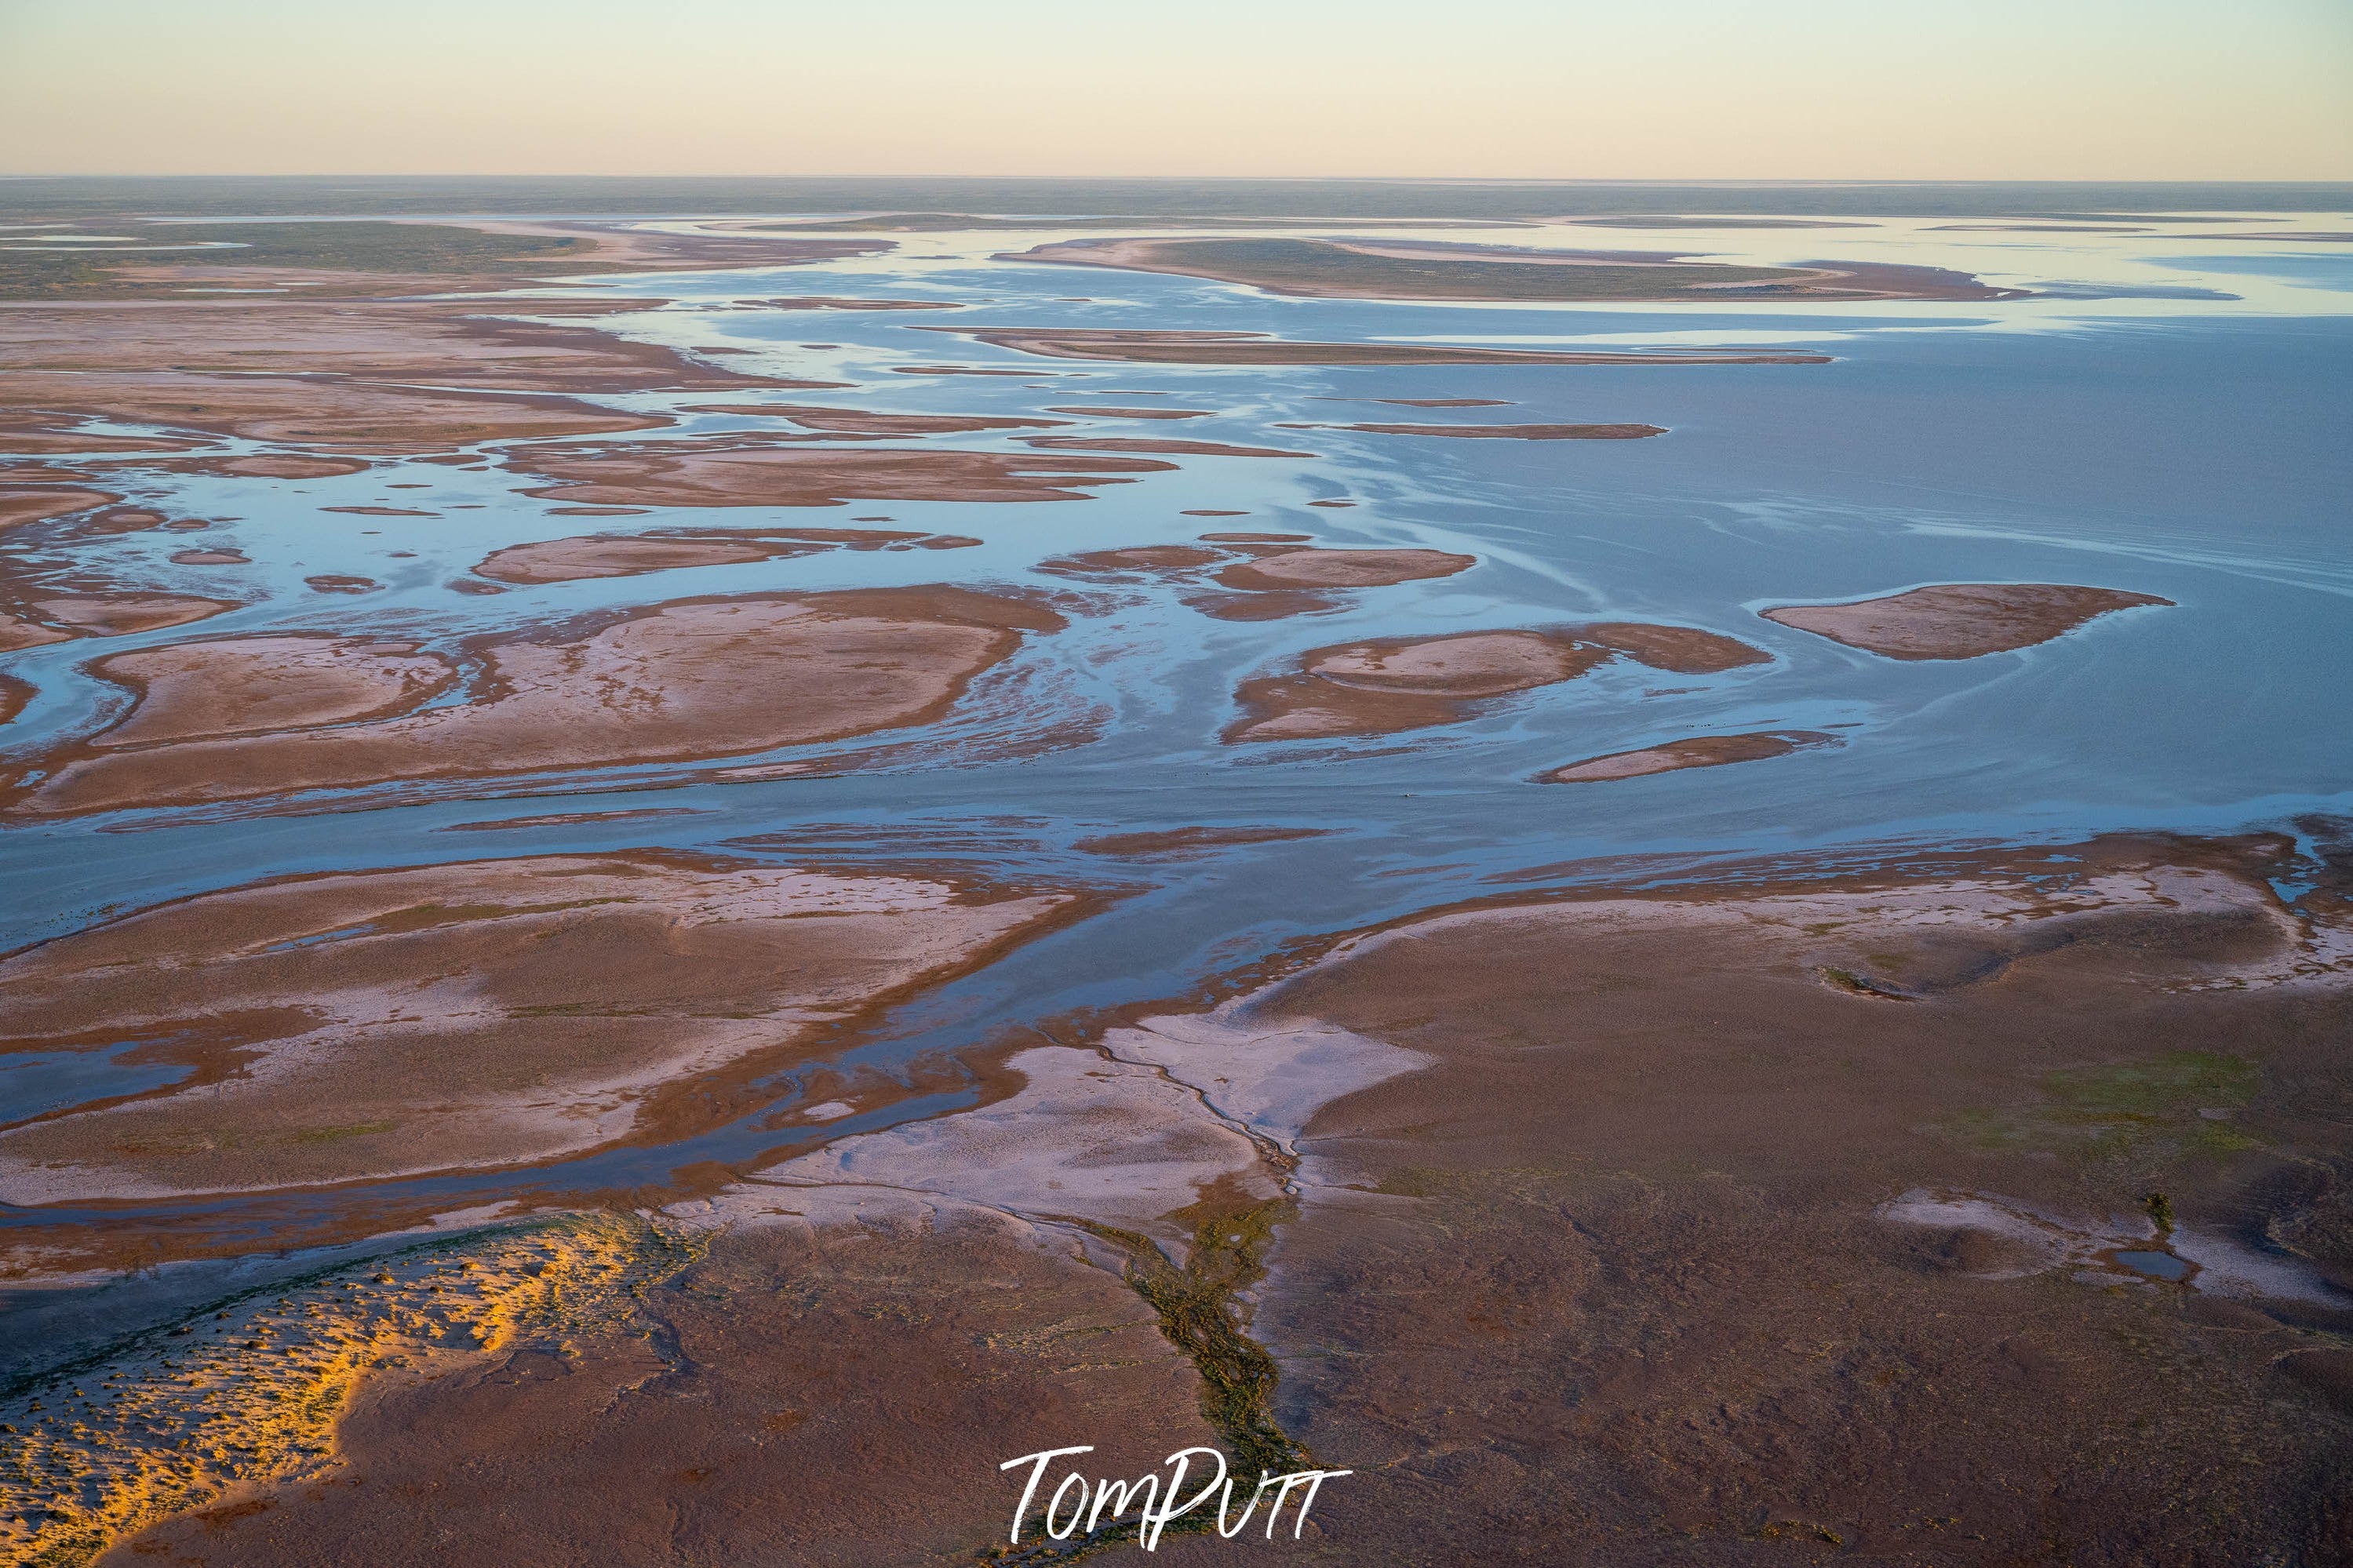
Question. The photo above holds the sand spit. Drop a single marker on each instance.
(1700, 751)
(60, 617)
(1168, 449)
(862, 422)
(1502, 432)
(1959, 620)
(1386, 686)
(1135, 346)
(1435, 269)
(629, 555)
(680, 682)
(484, 1013)
(737, 471)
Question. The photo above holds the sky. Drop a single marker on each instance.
(2032, 90)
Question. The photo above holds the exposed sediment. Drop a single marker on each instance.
(457, 1016)
(1699, 752)
(1959, 620)
(685, 681)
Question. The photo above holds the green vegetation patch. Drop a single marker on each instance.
(2136, 1113)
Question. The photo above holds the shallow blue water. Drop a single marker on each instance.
(2197, 451)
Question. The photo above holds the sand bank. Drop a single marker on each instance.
(1700, 751)
(681, 682)
(1959, 620)
(749, 472)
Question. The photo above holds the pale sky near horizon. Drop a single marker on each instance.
(2100, 89)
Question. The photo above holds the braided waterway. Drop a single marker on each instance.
(2160, 415)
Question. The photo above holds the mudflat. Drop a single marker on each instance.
(1143, 346)
(1959, 620)
(1699, 752)
(680, 682)
(732, 471)
(1433, 270)
(476, 1013)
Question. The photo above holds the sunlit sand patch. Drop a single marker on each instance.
(673, 683)
(252, 1392)
(749, 472)
(370, 1024)
(1959, 620)
(1141, 346)
(1700, 751)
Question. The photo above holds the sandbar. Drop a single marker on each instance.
(1140, 346)
(1700, 751)
(1502, 432)
(735, 472)
(378, 1022)
(677, 682)
(1959, 620)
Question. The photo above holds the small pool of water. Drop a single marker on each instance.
(2156, 1264)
